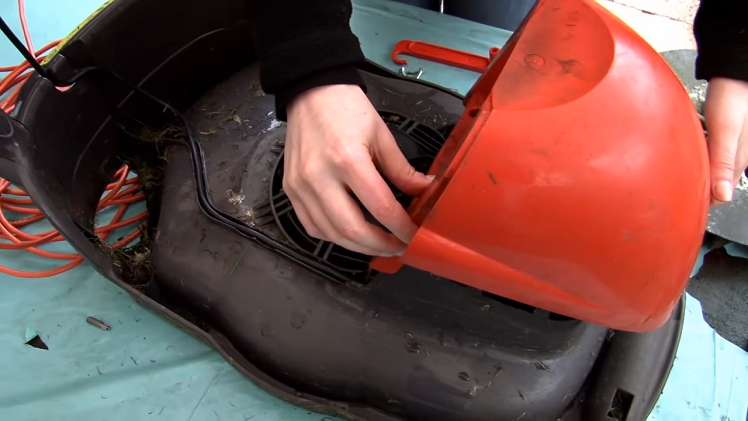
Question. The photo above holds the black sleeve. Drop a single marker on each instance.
(721, 32)
(303, 44)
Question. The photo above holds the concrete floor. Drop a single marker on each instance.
(665, 24)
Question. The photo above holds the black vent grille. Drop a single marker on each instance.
(419, 143)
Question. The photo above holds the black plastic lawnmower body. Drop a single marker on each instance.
(229, 261)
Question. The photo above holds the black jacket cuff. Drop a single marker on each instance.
(720, 60)
(722, 39)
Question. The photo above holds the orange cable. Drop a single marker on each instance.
(121, 192)
(25, 25)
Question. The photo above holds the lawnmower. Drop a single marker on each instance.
(545, 281)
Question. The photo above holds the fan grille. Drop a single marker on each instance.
(418, 142)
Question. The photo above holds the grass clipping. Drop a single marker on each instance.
(134, 262)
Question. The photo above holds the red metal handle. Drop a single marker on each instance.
(443, 55)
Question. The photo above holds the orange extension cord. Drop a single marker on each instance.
(122, 192)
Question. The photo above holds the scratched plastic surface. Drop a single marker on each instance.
(145, 368)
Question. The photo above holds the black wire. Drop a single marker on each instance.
(28, 55)
(31, 59)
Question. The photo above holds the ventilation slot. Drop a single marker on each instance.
(620, 406)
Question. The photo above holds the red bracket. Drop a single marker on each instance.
(443, 55)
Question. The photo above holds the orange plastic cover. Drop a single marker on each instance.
(577, 180)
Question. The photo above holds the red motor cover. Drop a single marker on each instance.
(576, 182)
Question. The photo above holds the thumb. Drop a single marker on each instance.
(722, 150)
(725, 110)
(396, 168)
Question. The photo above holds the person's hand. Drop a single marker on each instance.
(334, 144)
(726, 112)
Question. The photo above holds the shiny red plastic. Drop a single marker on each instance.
(576, 181)
(443, 55)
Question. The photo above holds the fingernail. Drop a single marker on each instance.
(723, 191)
(431, 177)
(399, 253)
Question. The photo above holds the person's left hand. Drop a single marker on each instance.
(726, 112)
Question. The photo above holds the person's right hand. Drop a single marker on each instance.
(334, 144)
(726, 110)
